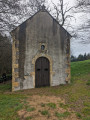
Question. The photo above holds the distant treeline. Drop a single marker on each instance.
(80, 57)
(5, 55)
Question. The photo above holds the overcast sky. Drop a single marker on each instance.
(81, 44)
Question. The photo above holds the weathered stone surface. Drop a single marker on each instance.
(41, 29)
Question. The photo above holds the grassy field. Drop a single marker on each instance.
(76, 96)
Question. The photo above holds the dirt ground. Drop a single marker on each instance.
(41, 107)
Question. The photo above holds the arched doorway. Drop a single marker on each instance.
(42, 72)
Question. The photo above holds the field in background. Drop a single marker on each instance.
(76, 96)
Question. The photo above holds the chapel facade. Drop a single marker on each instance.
(40, 53)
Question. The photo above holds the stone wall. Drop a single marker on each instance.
(41, 29)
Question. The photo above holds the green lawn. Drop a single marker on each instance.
(80, 69)
(76, 94)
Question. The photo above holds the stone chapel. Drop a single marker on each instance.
(40, 53)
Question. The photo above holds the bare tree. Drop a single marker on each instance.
(83, 8)
(82, 3)
(30, 8)
(5, 55)
(8, 10)
(14, 12)
(36, 5)
(61, 12)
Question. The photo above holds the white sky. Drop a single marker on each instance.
(71, 2)
(77, 45)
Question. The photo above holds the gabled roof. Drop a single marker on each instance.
(43, 10)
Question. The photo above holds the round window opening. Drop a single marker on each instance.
(42, 47)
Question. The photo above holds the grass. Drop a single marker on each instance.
(76, 95)
(42, 105)
(87, 118)
(88, 82)
(30, 109)
(60, 115)
(80, 68)
(28, 118)
(62, 105)
(78, 115)
(52, 105)
(5, 87)
(9, 104)
(86, 111)
(45, 112)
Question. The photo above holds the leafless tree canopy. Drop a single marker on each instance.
(13, 12)
(35, 5)
(84, 6)
(61, 12)
(5, 55)
(8, 10)
(83, 2)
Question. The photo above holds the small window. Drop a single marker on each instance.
(46, 69)
(38, 69)
(42, 47)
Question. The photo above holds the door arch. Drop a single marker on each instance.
(42, 72)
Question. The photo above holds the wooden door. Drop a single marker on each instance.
(42, 72)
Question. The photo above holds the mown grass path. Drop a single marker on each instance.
(64, 102)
